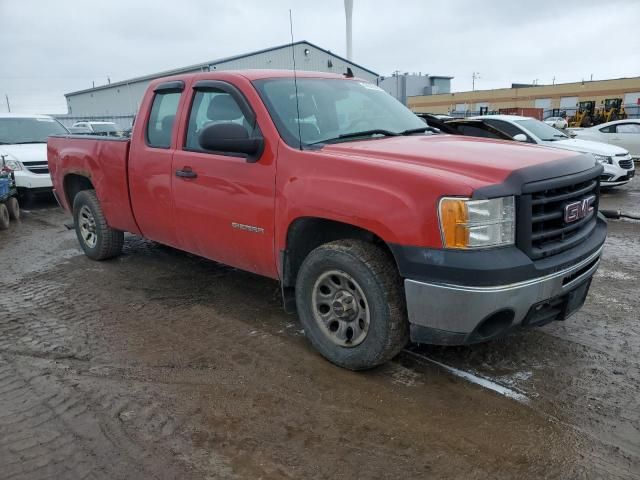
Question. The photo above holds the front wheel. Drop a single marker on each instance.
(97, 239)
(14, 208)
(4, 217)
(349, 300)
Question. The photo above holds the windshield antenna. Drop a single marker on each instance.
(295, 77)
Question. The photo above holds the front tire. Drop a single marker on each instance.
(350, 303)
(4, 217)
(14, 208)
(97, 239)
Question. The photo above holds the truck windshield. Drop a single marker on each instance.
(16, 130)
(541, 130)
(334, 110)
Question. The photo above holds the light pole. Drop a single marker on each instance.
(474, 76)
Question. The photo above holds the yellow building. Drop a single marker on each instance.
(562, 97)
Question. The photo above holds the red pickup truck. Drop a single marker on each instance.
(378, 228)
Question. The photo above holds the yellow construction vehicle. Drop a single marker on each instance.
(610, 109)
(584, 115)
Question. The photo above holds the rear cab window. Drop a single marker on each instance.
(163, 114)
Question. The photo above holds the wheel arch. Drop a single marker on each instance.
(304, 234)
(73, 184)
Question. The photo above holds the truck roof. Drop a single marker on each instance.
(257, 74)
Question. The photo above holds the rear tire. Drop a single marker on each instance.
(351, 304)
(14, 208)
(97, 239)
(4, 217)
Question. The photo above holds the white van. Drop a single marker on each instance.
(23, 145)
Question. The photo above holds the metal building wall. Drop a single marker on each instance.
(123, 99)
(316, 60)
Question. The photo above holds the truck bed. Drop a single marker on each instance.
(104, 160)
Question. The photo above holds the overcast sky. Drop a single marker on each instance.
(48, 48)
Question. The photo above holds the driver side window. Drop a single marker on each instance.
(211, 107)
(628, 128)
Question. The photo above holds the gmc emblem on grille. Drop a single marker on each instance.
(576, 210)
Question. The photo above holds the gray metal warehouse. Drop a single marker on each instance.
(119, 101)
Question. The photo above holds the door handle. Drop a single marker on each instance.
(186, 172)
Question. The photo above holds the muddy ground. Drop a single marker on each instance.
(163, 365)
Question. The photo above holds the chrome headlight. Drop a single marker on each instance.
(469, 224)
(603, 159)
(13, 165)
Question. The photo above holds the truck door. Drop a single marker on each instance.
(224, 205)
(150, 168)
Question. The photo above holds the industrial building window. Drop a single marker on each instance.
(162, 118)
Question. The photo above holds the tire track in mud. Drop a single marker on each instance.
(49, 430)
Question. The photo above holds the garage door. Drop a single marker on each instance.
(568, 102)
(544, 103)
(631, 98)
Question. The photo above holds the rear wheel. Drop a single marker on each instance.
(349, 300)
(14, 208)
(97, 239)
(4, 217)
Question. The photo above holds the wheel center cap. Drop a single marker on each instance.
(344, 305)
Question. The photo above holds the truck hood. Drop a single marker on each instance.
(587, 146)
(28, 152)
(486, 161)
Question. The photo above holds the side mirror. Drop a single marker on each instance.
(520, 137)
(230, 138)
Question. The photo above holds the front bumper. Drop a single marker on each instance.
(445, 314)
(615, 175)
(28, 180)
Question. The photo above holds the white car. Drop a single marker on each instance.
(556, 122)
(623, 133)
(618, 164)
(99, 128)
(23, 146)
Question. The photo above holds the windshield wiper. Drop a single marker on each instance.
(24, 143)
(420, 130)
(366, 133)
(363, 133)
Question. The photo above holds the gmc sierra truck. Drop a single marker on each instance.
(379, 229)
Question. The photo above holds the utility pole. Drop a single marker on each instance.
(348, 11)
(474, 76)
(8, 105)
(553, 80)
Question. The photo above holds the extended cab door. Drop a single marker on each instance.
(224, 204)
(150, 164)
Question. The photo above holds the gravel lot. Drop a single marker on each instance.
(160, 364)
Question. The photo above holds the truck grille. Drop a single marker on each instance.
(542, 228)
(626, 164)
(37, 167)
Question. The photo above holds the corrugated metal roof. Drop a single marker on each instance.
(200, 66)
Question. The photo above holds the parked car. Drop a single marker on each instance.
(618, 164)
(376, 230)
(80, 130)
(109, 129)
(557, 122)
(623, 133)
(23, 145)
